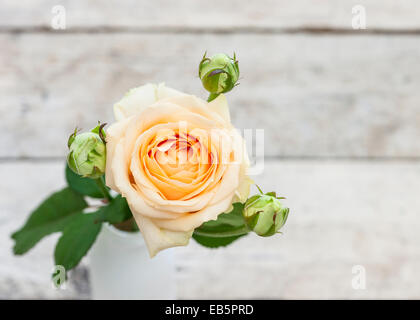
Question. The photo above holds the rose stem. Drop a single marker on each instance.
(103, 188)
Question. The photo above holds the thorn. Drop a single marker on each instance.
(72, 136)
(205, 59)
(234, 58)
(101, 135)
(259, 189)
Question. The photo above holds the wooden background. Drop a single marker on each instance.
(340, 109)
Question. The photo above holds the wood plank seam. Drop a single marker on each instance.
(206, 30)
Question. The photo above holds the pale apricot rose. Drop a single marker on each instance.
(177, 160)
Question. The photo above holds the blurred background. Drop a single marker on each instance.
(340, 107)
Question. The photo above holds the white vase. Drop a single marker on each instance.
(120, 268)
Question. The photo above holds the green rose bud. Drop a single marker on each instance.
(265, 214)
(219, 73)
(87, 155)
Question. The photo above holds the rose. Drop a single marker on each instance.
(177, 160)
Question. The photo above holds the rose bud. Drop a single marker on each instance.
(219, 73)
(265, 214)
(87, 155)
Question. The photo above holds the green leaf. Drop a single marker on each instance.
(76, 240)
(51, 216)
(117, 211)
(227, 228)
(215, 242)
(81, 233)
(85, 186)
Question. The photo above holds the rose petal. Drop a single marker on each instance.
(196, 219)
(220, 106)
(135, 198)
(137, 99)
(158, 239)
(176, 161)
(113, 135)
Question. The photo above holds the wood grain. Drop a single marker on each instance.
(318, 88)
(227, 16)
(315, 96)
(343, 213)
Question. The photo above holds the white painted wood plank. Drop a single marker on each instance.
(217, 14)
(342, 214)
(23, 187)
(333, 96)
